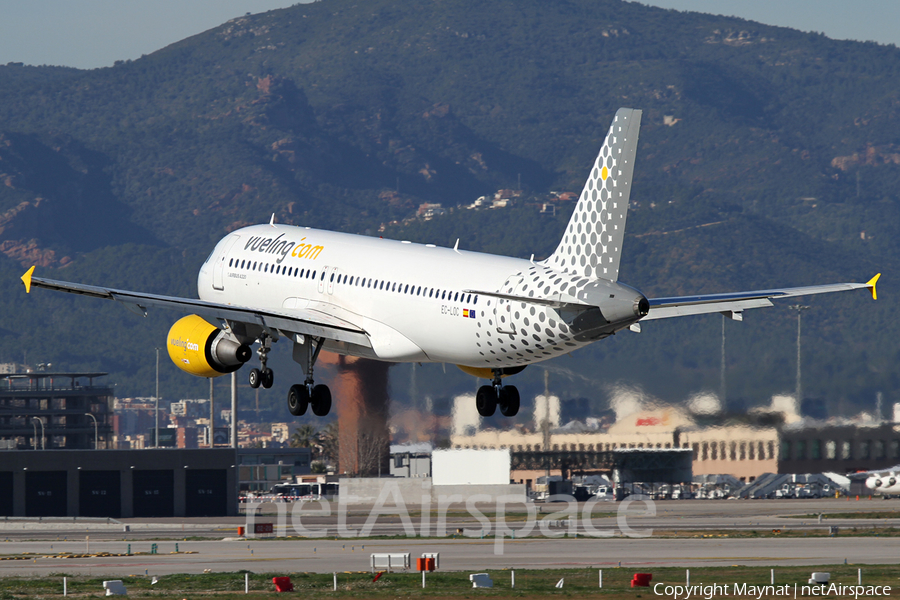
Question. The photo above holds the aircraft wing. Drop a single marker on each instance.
(732, 304)
(297, 321)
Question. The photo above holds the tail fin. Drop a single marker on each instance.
(592, 244)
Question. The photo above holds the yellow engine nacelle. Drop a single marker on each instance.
(204, 350)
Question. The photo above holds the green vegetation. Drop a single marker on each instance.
(577, 583)
(781, 168)
(889, 514)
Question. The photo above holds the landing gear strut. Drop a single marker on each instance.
(489, 397)
(308, 394)
(264, 376)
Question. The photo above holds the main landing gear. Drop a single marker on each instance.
(489, 397)
(307, 394)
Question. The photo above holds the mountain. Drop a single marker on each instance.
(767, 157)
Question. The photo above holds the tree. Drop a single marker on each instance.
(328, 439)
(305, 436)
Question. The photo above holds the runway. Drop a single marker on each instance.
(455, 555)
(216, 546)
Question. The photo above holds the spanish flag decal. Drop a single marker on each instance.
(466, 313)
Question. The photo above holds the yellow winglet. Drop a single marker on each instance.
(871, 283)
(26, 279)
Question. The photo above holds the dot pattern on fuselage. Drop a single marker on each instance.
(511, 333)
(592, 243)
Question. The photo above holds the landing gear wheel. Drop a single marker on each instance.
(486, 400)
(267, 377)
(298, 400)
(254, 378)
(509, 401)
(321, 400)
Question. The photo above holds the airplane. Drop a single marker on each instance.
(882, 482)
(396, 301)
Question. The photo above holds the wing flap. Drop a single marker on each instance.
(297, 321)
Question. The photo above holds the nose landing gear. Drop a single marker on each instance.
(489, 397)
(265, 376)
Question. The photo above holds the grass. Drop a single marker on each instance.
(895, 514)
(578, 583)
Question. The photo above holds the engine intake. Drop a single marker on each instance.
(201, 349)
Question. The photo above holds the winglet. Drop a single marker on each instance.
(871, 283)
(26, 279)
(272, 220)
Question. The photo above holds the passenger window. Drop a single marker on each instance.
(323, 275)
(331, 278)
(254, 265)
(302, 272)
(476, 300)
(431, 293)
(278, 270)
(229, 261)
(406, 289)
(444, 295)
(381, 286)
(456, 297)
(242, 264)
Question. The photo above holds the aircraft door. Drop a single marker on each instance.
(332, 276)
(503, 309)
(219, 267)
(325, 272)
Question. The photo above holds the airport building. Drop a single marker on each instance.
(262, 468)
(745, 446)
(45, 410)
(119, 483)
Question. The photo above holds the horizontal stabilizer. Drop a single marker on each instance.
(665, 308)
(548, 302)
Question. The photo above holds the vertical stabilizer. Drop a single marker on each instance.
(592, 244)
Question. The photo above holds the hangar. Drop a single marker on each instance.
(119, 483)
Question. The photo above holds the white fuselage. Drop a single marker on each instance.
(414, 301)
(885, 484)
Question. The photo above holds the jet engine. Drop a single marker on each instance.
(204, 350)
(874, 482)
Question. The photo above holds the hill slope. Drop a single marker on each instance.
(779, 165)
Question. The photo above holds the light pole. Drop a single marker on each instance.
(34, 439)
(156, 410)
(799, 394)
(722, 374)
(96, 436)
(43, 446)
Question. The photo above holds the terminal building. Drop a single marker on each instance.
(774, 440)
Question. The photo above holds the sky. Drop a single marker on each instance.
(95, 33)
